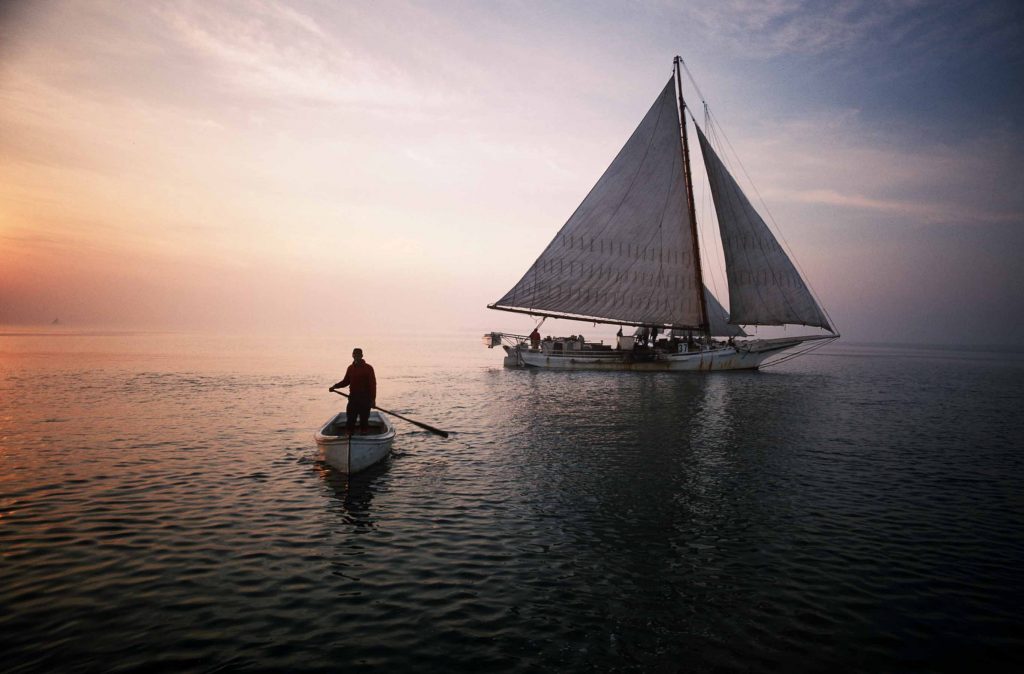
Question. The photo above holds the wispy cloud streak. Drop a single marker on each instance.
(777, 27)
(274, 52)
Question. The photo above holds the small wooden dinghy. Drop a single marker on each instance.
(351, 454)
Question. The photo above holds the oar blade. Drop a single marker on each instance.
(438, 431)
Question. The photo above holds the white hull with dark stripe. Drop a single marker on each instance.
(352, 454)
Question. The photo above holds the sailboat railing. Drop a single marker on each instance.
(493, 339)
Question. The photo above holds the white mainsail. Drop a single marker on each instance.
(627, 254)
(764, 286)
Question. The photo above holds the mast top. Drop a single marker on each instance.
(705, 323)
(626, 254)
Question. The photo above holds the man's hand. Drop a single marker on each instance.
(331, 389)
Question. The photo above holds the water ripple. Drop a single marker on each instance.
(839, 514)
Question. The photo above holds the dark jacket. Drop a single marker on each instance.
(359, 376)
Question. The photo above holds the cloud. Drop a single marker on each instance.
(838, 159)
(809, 27)
(273, 51)
(775, 27)
(924, 211)
(221, 145)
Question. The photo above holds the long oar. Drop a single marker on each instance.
(443, 434)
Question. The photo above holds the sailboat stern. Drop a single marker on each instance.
(513, 357)
(511, 344)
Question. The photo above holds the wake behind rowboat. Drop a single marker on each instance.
(354, 453)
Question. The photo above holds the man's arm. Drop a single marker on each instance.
(344, 382)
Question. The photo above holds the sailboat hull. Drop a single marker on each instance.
(745, 356)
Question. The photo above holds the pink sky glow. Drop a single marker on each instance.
(306, 166)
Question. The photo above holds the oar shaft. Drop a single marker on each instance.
(443, 434)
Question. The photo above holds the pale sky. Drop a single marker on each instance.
(304, 166)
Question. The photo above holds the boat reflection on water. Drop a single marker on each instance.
(658, 490)
(644, 467)
(352, 496)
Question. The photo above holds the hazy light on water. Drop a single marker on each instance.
(159, 504)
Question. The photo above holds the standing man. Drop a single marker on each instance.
(362, 394)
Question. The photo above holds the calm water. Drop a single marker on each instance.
(160, 506)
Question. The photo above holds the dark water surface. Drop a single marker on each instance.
(859, 509)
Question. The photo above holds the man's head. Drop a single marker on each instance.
(357, 354)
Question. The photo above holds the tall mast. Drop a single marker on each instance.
(688, 179)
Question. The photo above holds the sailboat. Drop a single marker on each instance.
(630, 255)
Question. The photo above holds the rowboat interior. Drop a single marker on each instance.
(337, 427)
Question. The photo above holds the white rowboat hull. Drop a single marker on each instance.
(356, 453)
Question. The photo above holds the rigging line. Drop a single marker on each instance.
(732, 206)
(705, 216)
(735, 208)
(765, 255)
(719, 247)
(711, 254)
(690, 206)
(594, 319)
(704, 222)
(694, 83)
(734, 203)
(778, 230)
(790, 356)
(788, 249)
(802, 353)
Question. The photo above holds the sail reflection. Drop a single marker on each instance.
(649, 467)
